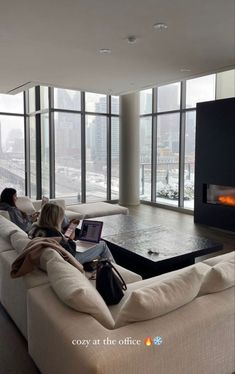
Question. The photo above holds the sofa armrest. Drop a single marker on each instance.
(5, 214)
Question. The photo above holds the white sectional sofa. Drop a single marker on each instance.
(70, 330)
(88, 210)
(78, 211)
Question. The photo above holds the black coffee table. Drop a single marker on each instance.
(131, 241)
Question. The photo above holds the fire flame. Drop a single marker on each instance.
(227, 200)
(148, 341)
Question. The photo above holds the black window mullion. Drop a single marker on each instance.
(154, 148)
(51, 143)
(109, 148)
(26, 149)
(83, 149)
(182, 144)
(38, 145)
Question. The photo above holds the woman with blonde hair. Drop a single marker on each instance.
(49, 225)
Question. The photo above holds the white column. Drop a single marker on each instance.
(225, 84)
(129, 150)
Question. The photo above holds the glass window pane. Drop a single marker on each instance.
(199, 90)
(114, 158)
(189, 165)
(115, 105)
(12, 103)
(145, 157)
(96, 102)
(168, 159)
(45, 162)
(67, 99)
(31, 100)
(168, 97)
(32, 149)
(146, 101)
(68, 156)
(96, 158)
(44, 97)
(12, 156)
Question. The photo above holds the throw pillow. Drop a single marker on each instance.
(19, 240)
(74, 289)
(160, 298)
(25, 205)
(7, 228)
(220, 277)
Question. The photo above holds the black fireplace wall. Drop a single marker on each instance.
(214, 160)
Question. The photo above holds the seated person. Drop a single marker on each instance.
(49, 225)
(8, 203)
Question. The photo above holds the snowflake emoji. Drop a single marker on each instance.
(157, 340)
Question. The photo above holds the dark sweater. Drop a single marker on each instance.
(46, 232)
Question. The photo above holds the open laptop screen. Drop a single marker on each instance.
(91, 231)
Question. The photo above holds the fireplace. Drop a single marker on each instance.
(219, 195)
(215, 164)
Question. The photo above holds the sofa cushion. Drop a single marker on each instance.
(5, 245)
(5, 214)
(7, 228)
(19, 240)
(219, 277)
(98, 209)
(73, 215)
(75, 290)
(222, 258)
(47, 255)
(38, 203)
(25, 205)
(159, 298)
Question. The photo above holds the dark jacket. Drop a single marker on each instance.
(45, 232)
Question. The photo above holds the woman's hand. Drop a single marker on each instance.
(34, 216)
(77, 221)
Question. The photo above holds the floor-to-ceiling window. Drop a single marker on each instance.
(65, 143)
(167, 140)
(12, 145)
(73, 144)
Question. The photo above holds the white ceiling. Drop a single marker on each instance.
(57, 42)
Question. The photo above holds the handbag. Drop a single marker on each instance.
(109, 282)
(91, 265)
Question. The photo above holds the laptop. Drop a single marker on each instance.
(90, 234)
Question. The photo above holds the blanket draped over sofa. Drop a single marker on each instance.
(30, 257)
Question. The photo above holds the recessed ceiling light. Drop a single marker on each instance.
(185, 70)
(160, 26)
(132, 39)
(105, 50)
